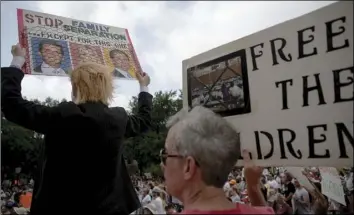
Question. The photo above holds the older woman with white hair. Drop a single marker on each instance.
(201, 149)
(83, 140)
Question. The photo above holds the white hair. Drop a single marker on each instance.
(209, 139)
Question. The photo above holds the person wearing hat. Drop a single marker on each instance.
(157, 200)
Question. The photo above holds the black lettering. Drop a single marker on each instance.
(101, 34)
(284, 91)
(56, 36)
(81, 30)
(48, 22)
(116, 36)
(307, 89)
(94, 33)
(313, 141)
(29, 18)
(50, 35)
(331, 35)
(342, 129)
(81, 25)
(258, 144)
(87, 32)
(90, 26)
(280, 51)
(288, 144)
(58, 23)
(338, 85)
(254, 55)
(67, 27)
(39, 19)
(74, 23)
(302, 42)
(74, 29)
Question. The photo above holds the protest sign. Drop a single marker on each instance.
(55, 45)
(331, 184)
(296, 172)
(287, 89)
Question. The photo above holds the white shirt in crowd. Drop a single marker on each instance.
(48, 70)
(226, 186)
(160, 209)
(273, 184)
(303, 195)
(236, 199)
(146, 200)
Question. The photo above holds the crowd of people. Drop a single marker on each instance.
(16, 193)
(198, 158)
(280, 189)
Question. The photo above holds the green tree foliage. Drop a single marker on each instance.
(145, 149)
(20, 146)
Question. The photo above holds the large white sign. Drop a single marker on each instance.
(287, 89)
(331, 184)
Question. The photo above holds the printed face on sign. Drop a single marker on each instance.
(86, 54)
(52, 54)
(120, 60)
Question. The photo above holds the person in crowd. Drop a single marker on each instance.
(170, 209)
(348, 178)
(235, 195)
(52, 54)
(280, 206)
(301, 200)
(240, 183)
(320, 203)
(148, 209)
(157, 200)
(273, 184)
(264, 187)
(177, 203)
(83, 139)
(200, 151)
(146, 197)
(121, 63)
(289, 189)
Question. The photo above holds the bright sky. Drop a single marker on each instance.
(163, 33)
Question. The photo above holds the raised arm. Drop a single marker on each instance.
(141, 122)
(15, 108)
(253, 178)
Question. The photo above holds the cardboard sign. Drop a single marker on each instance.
(287, 89)
(55, 45)
(331, 184)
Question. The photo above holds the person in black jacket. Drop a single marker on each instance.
(82, 154)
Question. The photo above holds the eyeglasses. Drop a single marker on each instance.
(164, 156)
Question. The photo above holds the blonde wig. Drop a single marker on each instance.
(92, 82)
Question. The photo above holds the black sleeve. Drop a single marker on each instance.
(140, 122)
(18, 110)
